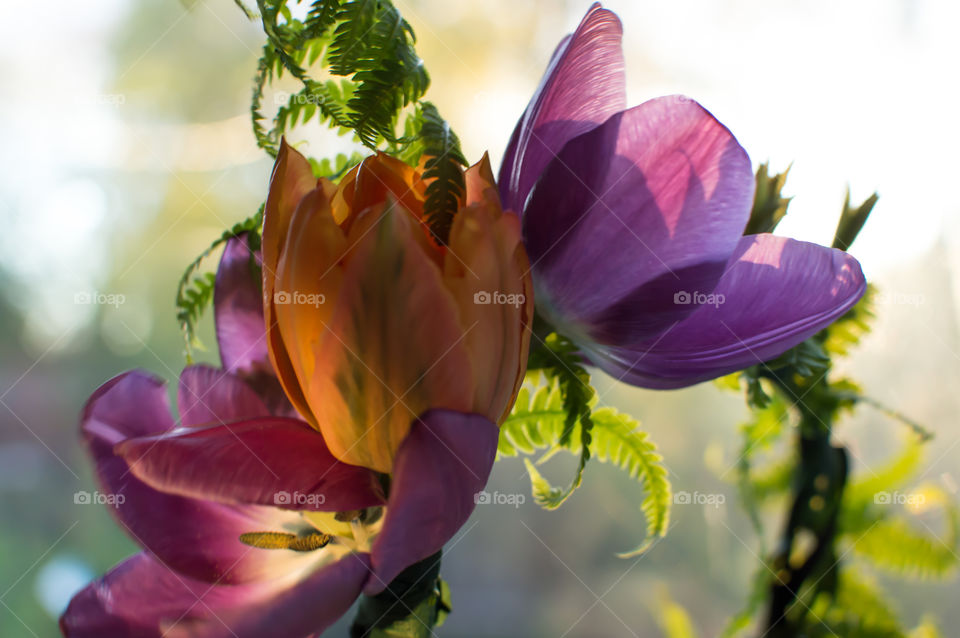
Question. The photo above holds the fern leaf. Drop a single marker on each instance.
(895, 545)
(443, 167)
(617, 439)
(538, 421)
(195, 292)
(847, 331)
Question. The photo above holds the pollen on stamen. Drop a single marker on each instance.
(283, 540)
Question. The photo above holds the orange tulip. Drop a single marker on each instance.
(370, 322)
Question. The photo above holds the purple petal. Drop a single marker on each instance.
(440, 466)
(209, 395)
(583, 86)
(775, 293)
(267, 461)
(197, 538)
(141, 598)
(650, 203)
(238, 310)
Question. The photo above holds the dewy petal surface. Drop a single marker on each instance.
(142, 598)
(440, 467)
(775, 293)
(647, 205)
(583, 86)
(266, 461)
(197, 538)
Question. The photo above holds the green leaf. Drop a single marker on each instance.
(897, 546)
(847, 331)
(926, 629)
(852, 220)
(195, 291)
(673, 619)
(769, 207)
(861, 494)
(335, 169)
(193, 296)
(858, 609)
(538, 422)
(444, 165)
(617, 439)
(411, 606)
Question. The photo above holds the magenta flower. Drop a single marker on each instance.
(633, 222)
(250, 526)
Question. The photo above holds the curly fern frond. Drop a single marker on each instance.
(195, 291)
(538, 422)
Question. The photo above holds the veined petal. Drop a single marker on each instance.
(487, 271)
(267, 461)
(373, 180)
(649, 204)
(238, 310)
(208, 395)
(440, 467)
(142, 598)
(393, 348)
(197, 538)
(292, 179)
(308, 281)
(775, 293)
(583, 86)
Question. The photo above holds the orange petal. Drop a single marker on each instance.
(292, 179)
(370, 183)
(394, 348)
(487, 271)
(308, 282)
(481, 185)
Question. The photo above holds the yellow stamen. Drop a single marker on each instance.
(283, 540)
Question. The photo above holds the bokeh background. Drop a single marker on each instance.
(127, 149)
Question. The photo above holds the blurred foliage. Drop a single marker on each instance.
(816, 580)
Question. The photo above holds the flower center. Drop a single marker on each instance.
(352, 530)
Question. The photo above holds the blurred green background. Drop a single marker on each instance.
(127, 149)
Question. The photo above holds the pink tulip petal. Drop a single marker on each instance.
(440, 467)
(648, 204)
(209, 395)
(583, 86)
(775, 293)
(266, 461)
(197, 538)
(142, 598)
(238, 310)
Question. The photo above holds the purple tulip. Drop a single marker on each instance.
(633, 222)
(241, 464)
